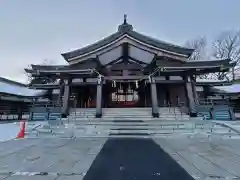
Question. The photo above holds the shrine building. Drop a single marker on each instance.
(126, 69)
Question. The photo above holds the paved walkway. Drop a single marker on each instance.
(205, 158)
(113, 159)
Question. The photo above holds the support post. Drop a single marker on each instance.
(155, 110)
(99, 98)
(61, 88)
(190, 97)
(195, 94)
(66, 98)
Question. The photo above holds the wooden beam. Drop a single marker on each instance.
(125, 52)
(125, 77)
(114, 61)
(137, 61)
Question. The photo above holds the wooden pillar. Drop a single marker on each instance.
(61, 90)
(190, 96)
(195, 95)
(66, 96)
(155, 110)
(99, 98)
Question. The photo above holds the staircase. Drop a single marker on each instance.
(138, 122)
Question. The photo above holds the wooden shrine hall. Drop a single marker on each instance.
(126, 69)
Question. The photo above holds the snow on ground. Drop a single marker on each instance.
(234, 88)
(8, 131)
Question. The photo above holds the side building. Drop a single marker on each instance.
(16, 99)
(127, 69)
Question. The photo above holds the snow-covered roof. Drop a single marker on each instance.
(234, 88)
(209, 80)
(14, 88)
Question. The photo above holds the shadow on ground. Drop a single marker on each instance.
(134, 159)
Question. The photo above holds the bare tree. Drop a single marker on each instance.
(39, 80)
(199, 46)
(227, 46)
(42, 79)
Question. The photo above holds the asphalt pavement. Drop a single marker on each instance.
(134, 159)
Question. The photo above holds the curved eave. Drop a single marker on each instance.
(60, 72)
(92, 47)
(15, 95)
(135, 35)
(48, 67)
(44, 86)
(160, 44)
(223, 62)
(67, 71)
(30, 71)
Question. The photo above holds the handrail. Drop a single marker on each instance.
(201, 114)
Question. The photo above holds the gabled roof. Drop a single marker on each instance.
(127, 30)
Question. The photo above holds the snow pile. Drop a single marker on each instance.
(8, 131)
(234, 88)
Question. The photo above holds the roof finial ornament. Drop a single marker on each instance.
(125, 26)
(125, 19)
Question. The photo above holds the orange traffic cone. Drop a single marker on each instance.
(21, 134)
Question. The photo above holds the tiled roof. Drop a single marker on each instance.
(126, 29)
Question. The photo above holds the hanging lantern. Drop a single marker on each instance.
(136, 84)
(150, 79)
(99, 80)
(114, 84)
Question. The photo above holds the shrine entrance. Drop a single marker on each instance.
(123, 95)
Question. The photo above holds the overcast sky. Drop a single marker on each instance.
(32, 31)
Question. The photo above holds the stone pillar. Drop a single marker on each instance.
(66, 96)
(99, 98)
(190, 96)
(155, 110)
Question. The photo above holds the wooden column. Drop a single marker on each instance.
(99, 98)
(155, 110)
(61, 90)
(190, 96)
(195, 95)
(66, 96)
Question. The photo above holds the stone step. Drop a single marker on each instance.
(132, 117)
(139, 126)
(147, 127)
(159, 131)
(102, 121)
(151, 132)
(121, 118)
